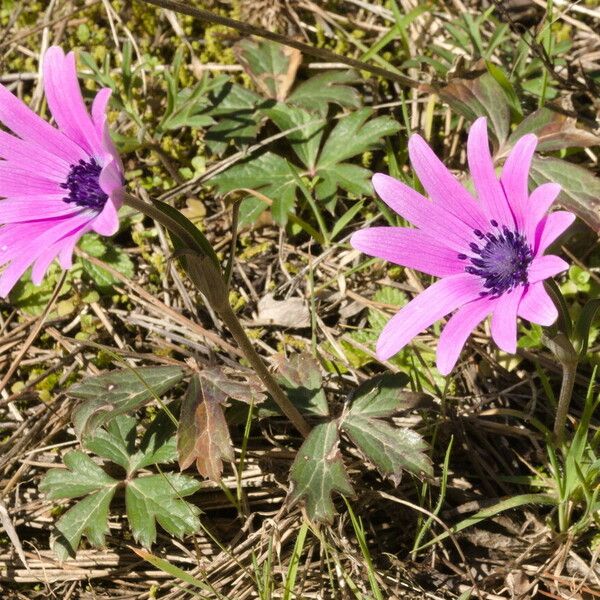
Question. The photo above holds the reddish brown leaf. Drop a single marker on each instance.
(554, 130)
(480, 97)
(242, 385)
(203, 434)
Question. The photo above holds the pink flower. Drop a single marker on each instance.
(488, 253)
(57, 183)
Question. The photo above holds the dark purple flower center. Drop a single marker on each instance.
(502, 259)
(83, 184)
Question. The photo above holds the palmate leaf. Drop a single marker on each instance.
(83, 477)
(149, 498)
(353, 134)
(390, 448)
(315, 94)
(318, 471)
(88, 517)
(271, 66)
(158, 498)
(269, 173)
(301, 378)
(235, 110)
(118, 392)
(305, 141)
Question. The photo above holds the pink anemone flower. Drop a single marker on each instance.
(57, 183)
(488, 253)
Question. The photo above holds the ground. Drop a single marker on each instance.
(198, 112)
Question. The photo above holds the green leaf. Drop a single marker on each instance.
(268, 173)
(315, 94)
(354, 179)
(81, 477)
(581, 331)
(115, 443)
(391, 449)
(112, 255)
(480, 97)
(300, 376)
(580, 191)
(88, 517)
(271, 66)
(188, 108)
(171, 569)
(158, 498)
(118, 392)
(554, 130)
(355, 134)
(318, 471)
(203, 434)
(305, 141)
(383, 396)
(235, 110)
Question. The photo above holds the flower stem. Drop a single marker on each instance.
(208, 279)
(291, 412)
(563, 350)
(569, 370)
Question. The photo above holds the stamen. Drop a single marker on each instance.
(501, 260)
(83, 183)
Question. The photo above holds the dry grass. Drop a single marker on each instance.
(156, 321)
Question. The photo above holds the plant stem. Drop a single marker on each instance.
(248, 29)
(569, 369)
(208, 279)
(289, 410)
(563, 350)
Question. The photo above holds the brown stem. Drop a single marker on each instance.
(208, 278)
(564, 400)
(289, 410)
(563, 350)
(248, 29)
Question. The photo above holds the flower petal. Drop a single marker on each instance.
(423, 213)
(111, 181)
(65, 256)
(65, 99)
(21, 120)
(536, 305)
(489, 191)
(410, 248)
(434, 303)
(16, 182)
(67, 243)
(442, 186)
(458, 329)
(22, 255)
(550, 228)
(539, 203)
(20, 210)
(107, 222)
(99, 107)
(543, 267)
(20, 153)
(515, 176)
(504, 320)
